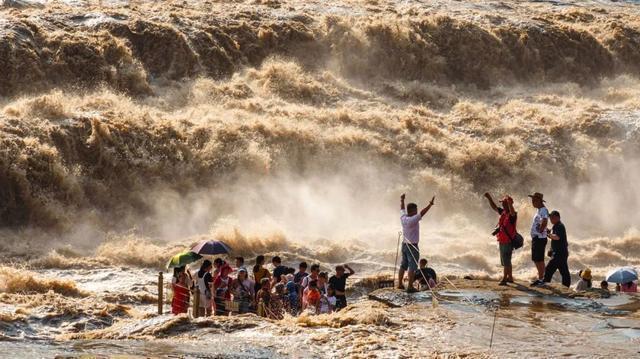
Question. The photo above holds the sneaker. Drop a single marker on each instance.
(412, 290)
(536, 283)
(504, 282)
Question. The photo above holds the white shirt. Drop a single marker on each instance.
(537, 219)
(325, 302)
(306, 280)
(410, 226)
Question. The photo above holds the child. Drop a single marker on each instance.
(585, 280)
(312, 297)
(323, 279)
(292, 299)
(604, 285)
(328, 301)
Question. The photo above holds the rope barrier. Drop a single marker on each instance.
(447, 279)
(434, 298)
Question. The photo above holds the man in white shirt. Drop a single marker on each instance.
(539, 235)
(410, 219)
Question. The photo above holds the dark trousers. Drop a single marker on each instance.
(558, 263)
(341, 302)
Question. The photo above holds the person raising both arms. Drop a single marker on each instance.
(410, 219)
(505, 232)
(539, 236)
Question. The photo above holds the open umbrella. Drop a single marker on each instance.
(182, 259)
(211, 248)
(622, 275)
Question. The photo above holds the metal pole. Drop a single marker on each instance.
(196, 303)
(395, 265)
(495, 315)
(160, 293)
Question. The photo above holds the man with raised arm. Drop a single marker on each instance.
(410, 219)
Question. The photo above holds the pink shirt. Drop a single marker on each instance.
(625, 289)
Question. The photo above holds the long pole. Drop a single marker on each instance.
(395, 265)
(196, 303)
(495, 315)
(160, 293)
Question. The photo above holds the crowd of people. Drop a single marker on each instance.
(224, 290)
(508, 240)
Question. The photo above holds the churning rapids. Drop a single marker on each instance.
(130, 130)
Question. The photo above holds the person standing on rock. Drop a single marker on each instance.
(410, 219)
(539, 236)
(505, 232)
(559, 251)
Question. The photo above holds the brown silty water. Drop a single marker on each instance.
(131, 130)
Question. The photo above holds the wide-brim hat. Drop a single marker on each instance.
(586, 274)
(538, 195)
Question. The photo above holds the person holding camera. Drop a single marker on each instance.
(504, 232)
(559, 252)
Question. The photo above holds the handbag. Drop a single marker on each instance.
(517, 241)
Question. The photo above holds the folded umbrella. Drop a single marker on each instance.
(211, 248)
(622, 275)
(182, 259)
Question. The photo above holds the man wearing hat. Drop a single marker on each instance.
(539, 235)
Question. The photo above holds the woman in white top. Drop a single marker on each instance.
(205, 279)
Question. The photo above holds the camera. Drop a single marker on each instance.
(496, 231)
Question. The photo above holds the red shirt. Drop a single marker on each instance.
(507, 226)
(222, 287)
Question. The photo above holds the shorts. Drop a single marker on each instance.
(538, 249)
(410, 257)
(341, 301)
(506, 250)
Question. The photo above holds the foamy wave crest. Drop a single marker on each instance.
(24, 282)
(125, 51)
